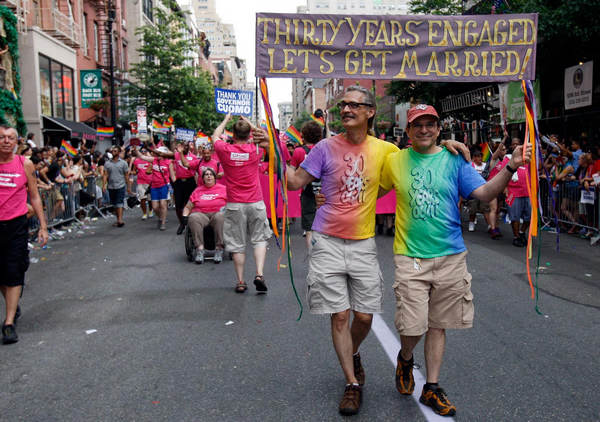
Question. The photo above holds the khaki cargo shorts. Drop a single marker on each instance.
(433, 292)
(344, 274)
(243, 221)
(142, 191)
(476, 205)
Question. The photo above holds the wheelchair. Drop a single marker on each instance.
(209, 244)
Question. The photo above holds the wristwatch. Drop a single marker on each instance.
(510, 169)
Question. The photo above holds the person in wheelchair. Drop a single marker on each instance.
(205, 208)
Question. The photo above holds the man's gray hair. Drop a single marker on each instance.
(369, 98)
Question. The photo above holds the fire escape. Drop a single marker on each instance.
(21, 9)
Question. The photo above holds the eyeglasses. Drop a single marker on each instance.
(353, 106)
(428, 125)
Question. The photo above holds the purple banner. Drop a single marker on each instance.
(474, 48)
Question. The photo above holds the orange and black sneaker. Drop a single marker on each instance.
(405, 382)
(436, 398)
(359, 371)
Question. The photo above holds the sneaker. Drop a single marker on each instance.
(259, 282)
(144, 216)
(199, 258)
(351, 401)
(471, 226)
(437, 399)
(9, 334)
(405, 382)
(163, 227)
(180, 229)
(495, 233)
(218, 256)
(151, 214)
(518, 242)
(359, 371)
(303, 233)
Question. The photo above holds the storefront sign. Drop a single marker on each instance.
(91, 86)
(142, 123)
(234, 102)
(512, 106)
(578, 85)
(481, 48)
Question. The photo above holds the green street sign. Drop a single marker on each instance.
(91, 86)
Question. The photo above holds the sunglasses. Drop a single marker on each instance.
(353, 106)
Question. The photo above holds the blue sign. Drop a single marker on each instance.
(228, 101)
(186, 135)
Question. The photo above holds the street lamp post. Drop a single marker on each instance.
(109, 31)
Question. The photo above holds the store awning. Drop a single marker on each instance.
(76, 130)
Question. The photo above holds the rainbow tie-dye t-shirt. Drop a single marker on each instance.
(349, 176)
(427, 192)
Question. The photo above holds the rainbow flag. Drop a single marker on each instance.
(319, 120)
(68, 148)
(168, 123)
(294, 135)
(486, 152)
(105, 131)
(228, 133)
(157, 127)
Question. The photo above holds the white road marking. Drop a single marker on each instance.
(391, 345)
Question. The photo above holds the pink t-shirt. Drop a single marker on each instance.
(518, 187)
(499, 166)
(182, 172)
(202, 165)
(160, 172)
(140, 166)
(299, 155)
(13, 189)
(240, 163)
(209, 199)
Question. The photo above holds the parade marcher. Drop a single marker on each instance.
(115, 180)
(17, 181)
(432, 285)
(185, 182)
(205, 207)
(517, 200)
(343, 274)
(245, 212)
(143, 170)
(311, 134)
(162, 172)
(475, 205)
(208, 161)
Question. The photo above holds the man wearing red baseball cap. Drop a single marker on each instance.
(432, 284)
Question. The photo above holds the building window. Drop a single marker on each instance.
(86, 49)
(147, 7)
(56, 89)
(96, 43)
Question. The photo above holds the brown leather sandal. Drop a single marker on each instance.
(241, 287)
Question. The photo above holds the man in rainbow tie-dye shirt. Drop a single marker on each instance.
(432, 285)
(343, 273)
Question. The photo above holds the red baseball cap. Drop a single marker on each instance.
(420, 110)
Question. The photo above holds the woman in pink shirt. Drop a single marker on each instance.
(205, 208)
(143, 169)
(17, 180)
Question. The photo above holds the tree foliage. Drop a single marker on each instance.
(168, 85)
(567, 34)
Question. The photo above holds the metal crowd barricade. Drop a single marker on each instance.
(567, 207)
(64, 204)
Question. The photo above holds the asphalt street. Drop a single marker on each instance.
(118, 325)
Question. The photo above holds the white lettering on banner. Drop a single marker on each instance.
(240, 156)
(7, 179)
(233, 108)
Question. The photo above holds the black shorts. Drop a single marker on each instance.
(182, 190)
(14, 254)
(309, 209)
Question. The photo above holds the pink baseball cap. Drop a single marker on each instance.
(420, 110)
